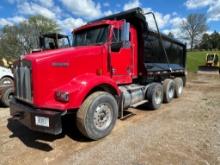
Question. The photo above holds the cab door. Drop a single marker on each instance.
(121, 57)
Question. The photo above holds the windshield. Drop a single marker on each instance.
(210, 57)
(92, 36)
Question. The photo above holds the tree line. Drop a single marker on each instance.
(21, 38)
(194, 30)
(209, 42)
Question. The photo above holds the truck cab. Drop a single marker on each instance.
(50, 41)
(120, 41)
(103, 74)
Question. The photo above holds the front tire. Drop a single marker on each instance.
(97, 115)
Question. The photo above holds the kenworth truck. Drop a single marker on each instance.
(115, 63)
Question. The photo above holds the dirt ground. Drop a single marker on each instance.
(186, 131)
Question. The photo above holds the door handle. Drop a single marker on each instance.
(113, 70)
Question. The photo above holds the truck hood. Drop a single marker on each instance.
(73, 51)
(52, 69)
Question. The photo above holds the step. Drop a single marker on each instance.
(139, 103)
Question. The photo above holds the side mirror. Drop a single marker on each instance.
(116, 46)
(125, 32)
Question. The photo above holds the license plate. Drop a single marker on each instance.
(42, 121)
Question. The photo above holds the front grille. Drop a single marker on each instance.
(23, 81)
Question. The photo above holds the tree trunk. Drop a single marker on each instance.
(192, 42)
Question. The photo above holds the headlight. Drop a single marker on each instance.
(62, 96)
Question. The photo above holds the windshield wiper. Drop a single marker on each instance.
(99, 43)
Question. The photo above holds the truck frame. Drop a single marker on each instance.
(116, 62)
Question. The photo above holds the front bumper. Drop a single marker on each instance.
(27, 116)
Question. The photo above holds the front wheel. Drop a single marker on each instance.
(97, 115)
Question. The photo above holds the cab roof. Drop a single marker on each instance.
(94, 24)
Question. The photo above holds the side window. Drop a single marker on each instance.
(116, 36)
(49, 43)
(63, 43)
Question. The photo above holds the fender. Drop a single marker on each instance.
(5, 72)
(80, 86)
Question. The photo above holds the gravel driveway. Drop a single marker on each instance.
(186, 131)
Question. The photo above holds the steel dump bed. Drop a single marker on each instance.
(155, 59)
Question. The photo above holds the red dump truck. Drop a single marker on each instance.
(115, 63)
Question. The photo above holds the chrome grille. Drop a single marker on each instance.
(23, 81)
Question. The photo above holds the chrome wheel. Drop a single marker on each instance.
(171, 92)
(103, 116)
(158, 97)
(180, 89)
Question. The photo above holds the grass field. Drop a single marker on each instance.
(194, 59)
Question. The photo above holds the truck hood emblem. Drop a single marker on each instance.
(60, 64)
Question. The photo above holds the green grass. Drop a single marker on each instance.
(194, 59)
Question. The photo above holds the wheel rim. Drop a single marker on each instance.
(158, 97)
(171, 92)
(102, 116)
(180, 89)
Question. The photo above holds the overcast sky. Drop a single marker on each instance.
(70, 14)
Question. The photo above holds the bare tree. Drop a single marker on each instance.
(194, 27)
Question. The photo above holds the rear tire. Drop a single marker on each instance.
(178, 87)
(97, 115)
(184, 81)
(155, 96)
(169, 90)
(7, 96)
